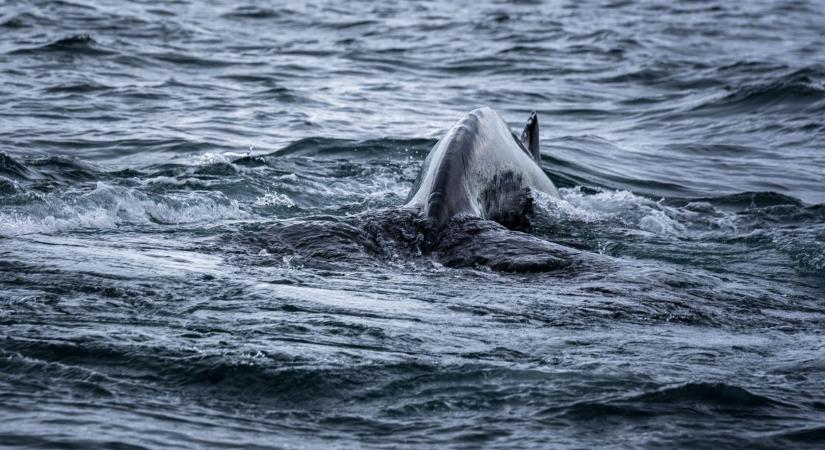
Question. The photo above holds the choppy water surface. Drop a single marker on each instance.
(149, 150)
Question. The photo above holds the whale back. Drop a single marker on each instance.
(480, 169)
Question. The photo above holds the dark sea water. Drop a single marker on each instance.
(148, 150)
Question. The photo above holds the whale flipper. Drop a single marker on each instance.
(530, 136)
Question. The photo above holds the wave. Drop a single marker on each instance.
(65, 168)
(10, 167)
(25, 20)
(699, 397)
(252, 377)
(344, 148)
(191, 60)
(108, 206)
(804, 87)
(254, 12)
(619, 207)
(233, 185)
(82, 87)
(751, 200)
(805, 248)
(9, 187)
(595, 165)
(404, 388)
(814, 436)
(708, 395)
(770, 206)
(79, 44)
(789, 229)
(267, 185)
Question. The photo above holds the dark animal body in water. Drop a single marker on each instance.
(470, 206)
(481, 169)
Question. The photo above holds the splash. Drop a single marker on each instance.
(108, 206)
(618, 207)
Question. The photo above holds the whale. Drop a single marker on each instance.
(471, 205)
(481, 169)
(476, 190)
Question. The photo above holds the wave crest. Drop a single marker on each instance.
(110, 206)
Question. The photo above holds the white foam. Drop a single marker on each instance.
(292, 177)
(108, 206)
(172, 181)
(622, 207)
(205, 159)
(16, 223)
(382, 186)
(274, 199)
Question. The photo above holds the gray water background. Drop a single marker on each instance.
(137, 312)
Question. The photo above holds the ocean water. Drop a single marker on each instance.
(152, 152)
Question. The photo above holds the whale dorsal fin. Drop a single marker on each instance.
(530, 136)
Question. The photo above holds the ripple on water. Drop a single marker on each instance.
(200, 244)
